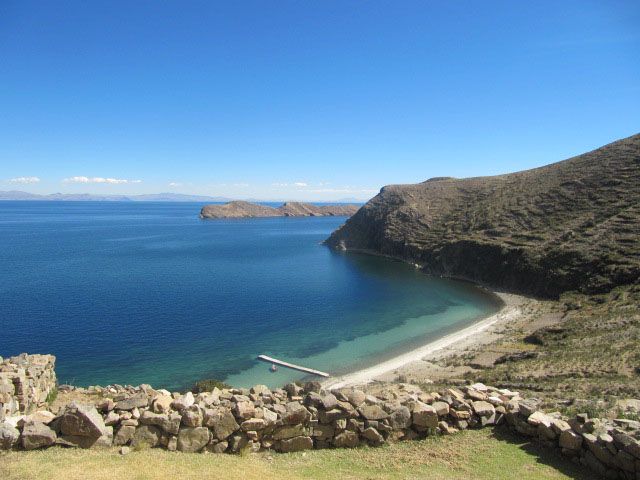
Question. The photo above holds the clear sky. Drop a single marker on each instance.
(310, 100)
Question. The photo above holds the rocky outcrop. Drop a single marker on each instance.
(297, 418)
(25, 383)
(572, 225)
(240, 209)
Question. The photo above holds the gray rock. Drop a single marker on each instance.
(183, 401)
(162, 404)
(138, 400)
(373, 436)
(295, 444)
(169, 423)
(219, 447)
(105, 440)
(482, 408)
(326, 402)
(289, 431)
(424, 416)
(346, 439)
(9, 436)
(238, 443)
(222, 423)
(82, 421)
(244, 410)
(442, 408)
(296, 413)
(292, 389)
(146, 436)
(254, 424)
(372, 412)
(401, 418)
(260, 390)
(192, 416)
(356, 397)
(37, 435)
(124, 435)
(193, 439)
(324, 432)
(269, 416)
(332, 415)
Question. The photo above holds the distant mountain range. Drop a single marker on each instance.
(149, 197)
(86, 197)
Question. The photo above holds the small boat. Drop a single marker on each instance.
(273, 367)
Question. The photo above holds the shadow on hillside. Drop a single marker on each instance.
(545, 455)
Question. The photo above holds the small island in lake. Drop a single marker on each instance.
(241, 209)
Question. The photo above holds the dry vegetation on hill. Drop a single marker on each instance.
(572, 225)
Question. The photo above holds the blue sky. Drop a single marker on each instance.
(310, 100)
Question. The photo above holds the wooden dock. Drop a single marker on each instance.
(292, 366)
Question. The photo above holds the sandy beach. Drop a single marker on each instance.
(418, 360)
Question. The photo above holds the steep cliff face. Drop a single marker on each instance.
(571, 225)
(240, 209)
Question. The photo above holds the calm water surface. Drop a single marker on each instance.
(136, 293)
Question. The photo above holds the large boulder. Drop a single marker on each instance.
(372, 412)
(192, 416)
(124, 435)
(146, 436)
(442, 408)
(193, 439)
(296, 413)
(81, 421)
(9, 436)
(162, 404)
(400, 418)
(355, 397)
(244, 409)
(183, 401)
(169, 423)
(373, 436)
(253, 424)
(295, 444)
(37, 435)
(221, 421)
(424, 416)
(105, 440)
(326, 402)
(138, 400)
(289, 431)
(346, 439)
(482, 408)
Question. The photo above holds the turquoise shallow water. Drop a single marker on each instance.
(149, 293)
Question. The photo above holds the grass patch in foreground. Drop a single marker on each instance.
(480, 454)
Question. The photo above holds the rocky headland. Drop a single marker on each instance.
(241, 209)
(567, 233)
(571, 225)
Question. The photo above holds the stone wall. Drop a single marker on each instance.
(25, 383)
(295, 418)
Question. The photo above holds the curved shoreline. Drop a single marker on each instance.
(456, 340)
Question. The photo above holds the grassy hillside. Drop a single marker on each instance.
(572, 225)
(472, 454)
(592, 353)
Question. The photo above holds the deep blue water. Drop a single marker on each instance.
(135, 293)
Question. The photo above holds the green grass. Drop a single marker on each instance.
(473, 454)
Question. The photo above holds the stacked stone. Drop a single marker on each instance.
(298, 418)
(25, 383)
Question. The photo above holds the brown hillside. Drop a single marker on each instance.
(570, 225)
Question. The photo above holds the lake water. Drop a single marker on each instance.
(136, 293)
